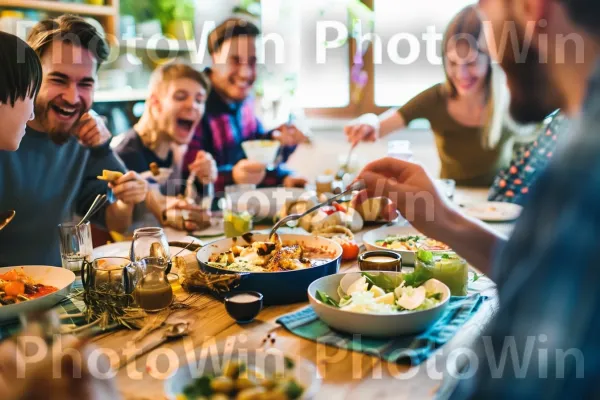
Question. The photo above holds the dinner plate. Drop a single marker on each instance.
(493, 211)
(371, 324)
(60, 278)
(270, 361)
(369, 239)
(121, 249)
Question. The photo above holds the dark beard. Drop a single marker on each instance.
(58, 137)
(533, 94)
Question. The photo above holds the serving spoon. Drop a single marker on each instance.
(173, 332)
(294, 217)
(6, 217)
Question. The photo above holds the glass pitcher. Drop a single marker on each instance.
(151, 243)
(152, 292)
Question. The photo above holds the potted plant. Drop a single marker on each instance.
(176, 17)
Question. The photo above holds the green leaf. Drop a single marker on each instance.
(289, 363)
(425, 256)
(437, 296)
(293, 390)
(446, 256)
(325, 298)
(382, 280)
(200, 387)
(418, 277)
(476, 276)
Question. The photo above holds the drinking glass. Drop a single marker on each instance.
(75, 245)
(237, 217)
(108, 273)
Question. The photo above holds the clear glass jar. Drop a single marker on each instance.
(449, 269)
(150, 242)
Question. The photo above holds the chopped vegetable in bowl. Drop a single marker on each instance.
(384, 294)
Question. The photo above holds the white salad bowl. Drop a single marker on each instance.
(370, 324)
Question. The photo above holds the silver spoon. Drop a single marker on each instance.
(293, 217)
(6, 217)
(94, 208)
(173, 332)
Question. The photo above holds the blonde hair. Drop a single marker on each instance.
(170, 72)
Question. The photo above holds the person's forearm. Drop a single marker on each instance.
(472, 240)
(156, 202)
(390, 121)
(119, 216)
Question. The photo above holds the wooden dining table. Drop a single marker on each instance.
(343, 374)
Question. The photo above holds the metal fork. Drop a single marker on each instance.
(294, 217)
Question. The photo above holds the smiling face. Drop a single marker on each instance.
(178, 107)
(533, 93)
(67, 89)
(234, 68)
(14, 121)
(466, 68)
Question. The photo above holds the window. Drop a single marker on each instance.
(318, 85)
(410, 62)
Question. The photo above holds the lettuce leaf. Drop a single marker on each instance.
(325, 298)
(418, 277)
(382, 280)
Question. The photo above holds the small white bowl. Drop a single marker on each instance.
(262, 151)
(373, 325)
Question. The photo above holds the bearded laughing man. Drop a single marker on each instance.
(53, 174)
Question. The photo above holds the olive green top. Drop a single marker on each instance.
(462, 152)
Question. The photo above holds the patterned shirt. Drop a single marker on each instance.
(514, 183)
(548, 277)
(223, 129)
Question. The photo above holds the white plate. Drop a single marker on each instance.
(266, 202)
(121, 249)
(373, 325)
(270, 361)
(492, 211)
(60, 278)
(369, 239)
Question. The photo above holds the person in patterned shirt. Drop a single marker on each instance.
(512, 185)
(230, 120)
(543, 341)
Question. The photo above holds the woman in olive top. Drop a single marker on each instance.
(468, 113)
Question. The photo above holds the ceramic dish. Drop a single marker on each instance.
(370, 324)
(493, 211)
(60, 278)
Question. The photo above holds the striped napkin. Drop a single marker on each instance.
(410, 349)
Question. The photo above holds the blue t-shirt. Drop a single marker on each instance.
(46, 184)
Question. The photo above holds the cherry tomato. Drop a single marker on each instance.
(339, 207)
(350, 251)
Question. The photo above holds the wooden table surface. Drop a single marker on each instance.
(345, 374)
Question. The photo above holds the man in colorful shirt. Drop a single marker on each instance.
(513, 184)
(543, 342)
(230, 120)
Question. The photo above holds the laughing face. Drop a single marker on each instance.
(180, 109)
(67, 89)
(533, 93)
(234, 68)
(466, 67)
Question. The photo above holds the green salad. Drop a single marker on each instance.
(382, 293)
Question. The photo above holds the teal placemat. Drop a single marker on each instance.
(411, 349)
